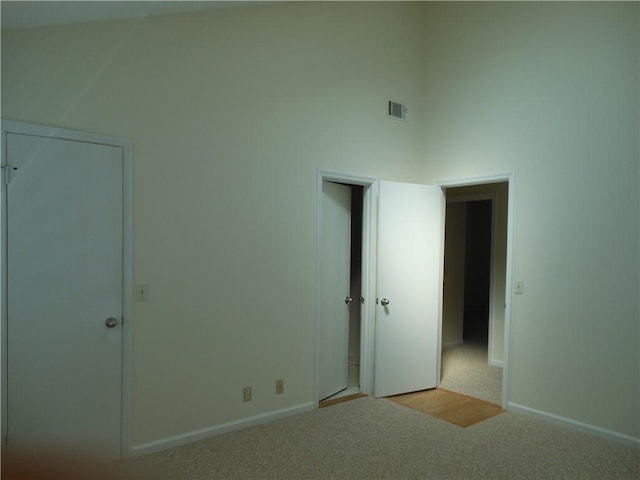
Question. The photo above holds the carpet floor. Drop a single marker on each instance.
(370, 438)
(465, 370)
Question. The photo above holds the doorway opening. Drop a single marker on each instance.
(355, 282)
(473, 318)
(499, 188)
(477, 272)
(341, 289)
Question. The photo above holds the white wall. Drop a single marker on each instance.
(231, 113)
(550, 92)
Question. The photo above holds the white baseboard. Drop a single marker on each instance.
(496, 363)
(176, 441)
(452, 344)
(575, 425)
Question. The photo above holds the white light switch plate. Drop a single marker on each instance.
(142, 292)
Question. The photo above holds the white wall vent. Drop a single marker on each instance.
(396, 110)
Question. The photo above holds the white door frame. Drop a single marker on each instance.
(127, 252)
(510, 178)
(367, 309)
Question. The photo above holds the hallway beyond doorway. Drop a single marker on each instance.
(465, 370)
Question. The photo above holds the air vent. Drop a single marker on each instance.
(396, 110)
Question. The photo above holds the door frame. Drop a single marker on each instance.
(367, 309)
(510, 179)
(125, 145)
(369, 252)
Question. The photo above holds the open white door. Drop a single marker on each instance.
(334, 298)
(409, 286)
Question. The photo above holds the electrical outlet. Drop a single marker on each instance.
(279, 387)
(246, 394)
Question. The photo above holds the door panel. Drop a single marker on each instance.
(409, 276)
(64, 276)
(334, 288)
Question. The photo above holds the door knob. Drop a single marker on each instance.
(111, 322)
(385, 302)
(348, 300)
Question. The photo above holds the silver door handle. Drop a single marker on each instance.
(111, 322)
(348, 300)
(384, 302)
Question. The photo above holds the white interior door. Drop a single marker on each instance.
(64, 295)
(409, 277)
(334, 286)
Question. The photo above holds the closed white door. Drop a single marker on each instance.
(409, 286)
(333, 307)
(64, 295)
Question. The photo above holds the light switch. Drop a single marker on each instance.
(519, 284)
(142, 292)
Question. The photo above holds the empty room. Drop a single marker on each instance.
(216, 215)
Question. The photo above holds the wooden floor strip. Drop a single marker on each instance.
(346, 398)
(452, 407)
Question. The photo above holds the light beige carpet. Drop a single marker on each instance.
(452, 407)
(376, 439)
(465, 370)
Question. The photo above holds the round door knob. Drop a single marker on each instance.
(111, 322)
(348, 300)
(385, 302)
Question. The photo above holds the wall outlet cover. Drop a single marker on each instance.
(246, 394)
